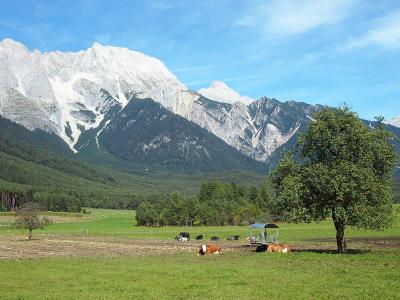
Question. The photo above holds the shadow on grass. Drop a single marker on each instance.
(330, 251)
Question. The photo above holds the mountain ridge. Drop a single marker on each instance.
(77, 95)
(74, 94)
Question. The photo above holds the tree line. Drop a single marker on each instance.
(217, 203)
(73, 201)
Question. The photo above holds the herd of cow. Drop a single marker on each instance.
(209, 249)
(185, 236)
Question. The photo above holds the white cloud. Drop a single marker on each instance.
(386, 33)
(280, 18)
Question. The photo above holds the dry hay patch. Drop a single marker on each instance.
(17, 247)
(43, 245)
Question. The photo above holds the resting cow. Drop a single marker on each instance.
(261, 248)
(279, 248)
(199, 237)
(209, 249)
(214, 238)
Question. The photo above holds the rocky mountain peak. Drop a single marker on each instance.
(221, 92)
(394, 122)
(78, 94)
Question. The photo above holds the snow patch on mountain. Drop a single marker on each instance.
(219, 91)
(394, 122)
(71, 91)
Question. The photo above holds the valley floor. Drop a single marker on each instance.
(104, 256)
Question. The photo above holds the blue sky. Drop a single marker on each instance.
(326, 52)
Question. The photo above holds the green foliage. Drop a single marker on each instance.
(59, 201)
(396, 190)
(217, 203)
(346, 173)
(2, 207)
(146, 214)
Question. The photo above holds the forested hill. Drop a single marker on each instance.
(37, 161)
(18, 145)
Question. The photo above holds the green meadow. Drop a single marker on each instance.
(314, 273)
(234, 276)
(122, 223)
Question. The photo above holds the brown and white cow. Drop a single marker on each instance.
(209, 249)
(279, 248)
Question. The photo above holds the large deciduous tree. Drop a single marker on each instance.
(345, 172)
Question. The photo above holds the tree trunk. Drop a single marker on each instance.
(340, 240)
(30, 234)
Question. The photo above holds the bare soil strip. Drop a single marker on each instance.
(366, 243)
(18, 247)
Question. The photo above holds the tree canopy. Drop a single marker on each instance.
(217, 203)
(28, 217)
(345, 171)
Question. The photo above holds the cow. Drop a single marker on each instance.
(209, 249)
(185, 234)
(261, 248)
(183, 237)
(282, 248)
(199, 237)
(214, 238)
(233, 238)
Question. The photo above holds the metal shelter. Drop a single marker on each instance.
(263, 233)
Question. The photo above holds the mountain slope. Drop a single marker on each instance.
(146, 134)
(76, 95)
(43, 149)
(394, 122)
(68, 93)
(256, 130)
(219, 91)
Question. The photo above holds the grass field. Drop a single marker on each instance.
(103, 255)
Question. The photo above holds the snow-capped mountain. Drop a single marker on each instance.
(256, 130)
(76, 95)
(394, 122)
(68, 93)
(220, 92)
